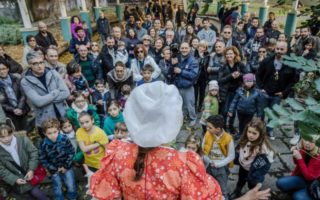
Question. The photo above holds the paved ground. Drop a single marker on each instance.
(282, 165)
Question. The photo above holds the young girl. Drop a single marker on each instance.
(255, 155)
(307, 159)
(75, 22)
(193, 143)
(115, 116)
(246, 102)
(79, 105)
(121, 131)
(211, 104)
(92, 141)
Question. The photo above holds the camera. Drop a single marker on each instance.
(175, 52)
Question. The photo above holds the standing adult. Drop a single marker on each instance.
(107, 56)
(207, 34)
(275, 79)
(103, 27)
(140, 31)
(44, 38)
(217, 61)
(186, 73)
(52, 61)
(229, 79)
(81, 39)
(45, 89)
(227, 38)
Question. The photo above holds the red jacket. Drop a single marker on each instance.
(309, 172)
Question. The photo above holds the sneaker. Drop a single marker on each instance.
(295, 139)
(192, 123)
(271, 136)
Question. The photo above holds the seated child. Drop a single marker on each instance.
(193, 143)
(115, 116)
(79, 105)
(92, 141)
(125, 92)
(100, 98)
(121, 131)
(146, 72)
(218, 148)
(56, 154)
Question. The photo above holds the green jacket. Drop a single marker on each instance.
(28, 155)
(72, 115)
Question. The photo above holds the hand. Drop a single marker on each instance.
(100, 102)
(20, 181)
(62, 170)
(235, 74)
(255, 194)
(209, 69)
(177, 70)
(29, 175)
(213, 165)
(297, 154)
(230, 114)
(294, 148)
(17, 111)
(279, 94)
(174, 61)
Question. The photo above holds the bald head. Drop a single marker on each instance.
(42, 27)
(281, 49)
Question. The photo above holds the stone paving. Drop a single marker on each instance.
(282, 165)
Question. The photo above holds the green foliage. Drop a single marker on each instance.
(8, 20)
(305, 107)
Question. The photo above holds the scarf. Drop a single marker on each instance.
(70, 135)
(11, 95)
(12, 149)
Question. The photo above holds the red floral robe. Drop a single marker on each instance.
(168, 175)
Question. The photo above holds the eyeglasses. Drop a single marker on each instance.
(37, 63)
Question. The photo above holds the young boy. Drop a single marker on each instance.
(146, 72)
(100, 97)
(218, 148)
(56, 154)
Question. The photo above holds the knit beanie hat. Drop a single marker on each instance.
(213, 85)
(248, 77)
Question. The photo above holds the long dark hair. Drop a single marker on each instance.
(139, 163)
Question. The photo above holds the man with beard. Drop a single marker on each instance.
(252, 47)
(44, 38)
(304, 35)
(107, 56)
(119, 76)
(275, 79)
(273, 32)
(89, 68)
(140, 30)
(52, 62)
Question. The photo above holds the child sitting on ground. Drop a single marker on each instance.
(146, 72)
(255, 155)
(56, 155)
(115, 116)
(92, 141)
(211, 104)
(121, 131)
(79, 105)
(100, 98)
(218, 148)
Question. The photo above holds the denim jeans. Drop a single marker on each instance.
(224, 108)
(221, 175)
(69, 180)
(187, 95)
(268, 101)
(295, 184)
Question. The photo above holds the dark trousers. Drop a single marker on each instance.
(268, 102)
(224, 108)
(243, 178)
(199, 93)
(244, 119)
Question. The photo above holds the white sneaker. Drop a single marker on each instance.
(271, 136)
(295, 139)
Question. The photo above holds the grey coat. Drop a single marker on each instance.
(44, 99)
(28, 155)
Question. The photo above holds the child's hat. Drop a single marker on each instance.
(213, 85)
(248, 77)
(153, 114)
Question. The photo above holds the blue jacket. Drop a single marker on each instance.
(247, 104)
(103, 26)
(189, 72)
(259, 168)
(54, 155)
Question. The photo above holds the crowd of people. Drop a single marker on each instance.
(117, 107)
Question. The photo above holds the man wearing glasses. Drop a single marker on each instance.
(45, 89)
(228, 40)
